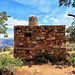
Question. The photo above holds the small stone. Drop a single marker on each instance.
(30, 57)
(62, 34)
(58, 34)
(20, 43)
(38, 71)
(43, 33)
(48, 38)
(67, 58)
(34, 42)
(56, 46)
(50, 45)
(42, 37)
(43, 50)
(55, 30)
(52, 38)
(63, 45)
(23, 36)
(38, 38)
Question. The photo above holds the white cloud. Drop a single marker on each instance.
(62, 19)
(53, 19)
(65, 20)
(32, 15)
(45, 20)
(35, 12)
(11, 22)
(41, 5)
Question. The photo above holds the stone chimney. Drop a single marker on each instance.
(33, 21)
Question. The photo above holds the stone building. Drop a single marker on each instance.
(33, 40)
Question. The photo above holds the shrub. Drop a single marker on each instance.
(69, 48)
(0, 48)
(74, 47)
(73, 54)
(5, 60)
(1, 66)
(6, 49)
(72, 60)
(45, 58)
(67, 54)
(12, 51)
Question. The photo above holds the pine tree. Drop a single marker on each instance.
(71, 36)
(67, 3)
(3, 19)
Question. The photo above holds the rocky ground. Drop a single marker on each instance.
(32, 68)
(45, 69)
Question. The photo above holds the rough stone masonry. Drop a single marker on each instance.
(33, 40)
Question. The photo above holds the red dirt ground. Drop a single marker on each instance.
(45, 69)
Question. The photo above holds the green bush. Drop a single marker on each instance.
(12, 51)
(6, 49)
(45, 58)
(69, 48)
(73, 54)
(5, 60)
(0, 48)
(72, 60)
(74, 47)
(1, 66)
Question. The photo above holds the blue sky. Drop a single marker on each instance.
(47, 11)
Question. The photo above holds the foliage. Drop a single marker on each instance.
(1, 48)
(73, 54)
(3, 19)
(70, 46)
(6, 60)
(66, 3)
(72, 60)
(12, 51)
(68, 30)
(45, 58)
(6, 49)
(71, 34)
(1, 66)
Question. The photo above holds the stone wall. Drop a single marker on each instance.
(32, 41)
(33, 21)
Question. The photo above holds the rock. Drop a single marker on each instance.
(48, 39)
(52, 38)
(20, 43)
(38, 71)
(58, 34)
(65, 66)
(55, 30)
(34, 42)
(43, 33)
(43, 50)
(56, 46)
(63, 45)
(38, 38)
(42, 37)
(67, 58)
(62, 33)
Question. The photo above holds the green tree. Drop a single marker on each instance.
(67, 3)
(6, 49)
(3, 19)
(1, 48)
(71, 35)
